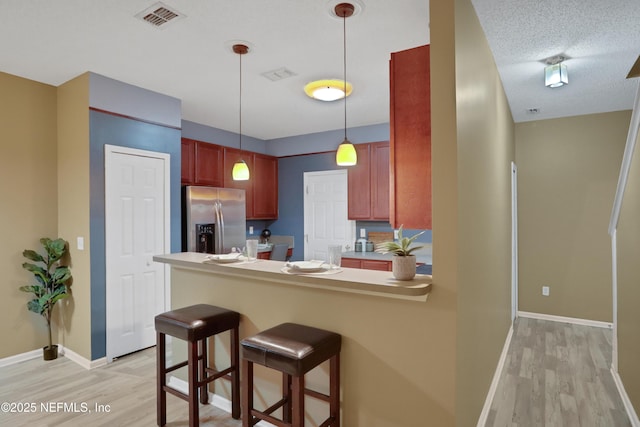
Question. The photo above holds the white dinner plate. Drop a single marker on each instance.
(224, 258)
(305, 266)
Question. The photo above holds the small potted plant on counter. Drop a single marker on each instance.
(403, 263)
(51, 286)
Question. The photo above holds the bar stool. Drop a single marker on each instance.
(195, 324)
(293, 350)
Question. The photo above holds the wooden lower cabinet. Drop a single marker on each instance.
(366, 264)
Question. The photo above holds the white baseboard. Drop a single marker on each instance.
(482, 421)
(631, 412)
(215, 400)
(85, 363)
(12, 360)
(563, 319)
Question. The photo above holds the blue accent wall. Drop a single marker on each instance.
(113, 130)
(291, 195)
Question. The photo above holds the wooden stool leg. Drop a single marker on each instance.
(286, 394)
(297, 401)
(203, 362)
(161, 379)
(334, 390)
(247, 393)
(193, 384)
(235, 374)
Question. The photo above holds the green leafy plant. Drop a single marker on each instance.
(401, 247)
(51, 278)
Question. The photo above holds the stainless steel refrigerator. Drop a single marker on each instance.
(213, 219)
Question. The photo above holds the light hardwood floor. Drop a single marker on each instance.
(557, 374)
(127, 385)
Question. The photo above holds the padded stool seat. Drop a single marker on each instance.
(294, 350)
(195, 324)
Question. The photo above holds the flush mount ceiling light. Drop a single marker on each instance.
(240, 170)
(346, 154)
(327, 90)
(555, 73)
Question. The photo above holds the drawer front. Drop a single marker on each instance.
(376, 265)
(351, 263)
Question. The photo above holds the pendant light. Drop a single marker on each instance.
(240, 170)
(346, 154)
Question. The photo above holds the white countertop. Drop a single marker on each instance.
(371, 282)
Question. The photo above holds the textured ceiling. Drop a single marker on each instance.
(601, 38)
(190, 59)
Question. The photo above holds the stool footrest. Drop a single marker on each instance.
(261, 416)
(316, 395)
(178, 366)
(329, 421)
(215, 374)
(176, 393)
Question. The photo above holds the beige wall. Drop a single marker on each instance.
(628, 248)
(486, 147)
(567, 174)
(28, 190)
(73, 207)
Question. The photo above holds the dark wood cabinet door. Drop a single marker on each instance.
(350, 263)
(231, 156)
(208, 164)
(265, 187)
(380, 181)
(359, 185)
(187, 169)
(369, 264)
(410, 125)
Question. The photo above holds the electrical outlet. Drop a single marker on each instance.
(251, 229)
(545, 291)
(363, 233)
(395, 234)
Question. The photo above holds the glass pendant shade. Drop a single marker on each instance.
(556, 75)
(240, 171)
(346, 154)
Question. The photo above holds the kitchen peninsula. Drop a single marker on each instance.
(373, 313)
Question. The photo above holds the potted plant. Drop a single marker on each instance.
(403, 263)
(51, 286)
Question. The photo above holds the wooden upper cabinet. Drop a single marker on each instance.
(231, 156)
(379, 181)
(208, 164)
(410, 148)
(211, 165)
(188, 155)
(265, 186)
(359, 185)
(369, 183)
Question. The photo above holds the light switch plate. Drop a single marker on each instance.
(251, 229)
(80, 243)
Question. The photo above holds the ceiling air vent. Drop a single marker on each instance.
(279, 74)
(159, 15)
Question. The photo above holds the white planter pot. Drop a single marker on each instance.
(403, 267)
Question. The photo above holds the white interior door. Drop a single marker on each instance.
(325, 213)
(136, 228)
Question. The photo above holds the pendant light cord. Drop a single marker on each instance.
(240, 110)
(344, 63)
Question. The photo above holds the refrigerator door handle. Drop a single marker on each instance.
(219, 229)
(221, 222)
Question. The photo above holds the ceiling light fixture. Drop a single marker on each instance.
(346, 154)
(240, 170)
(327, 90)
(555, 73)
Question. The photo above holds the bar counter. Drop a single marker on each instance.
(343, 280)
(392, 372)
